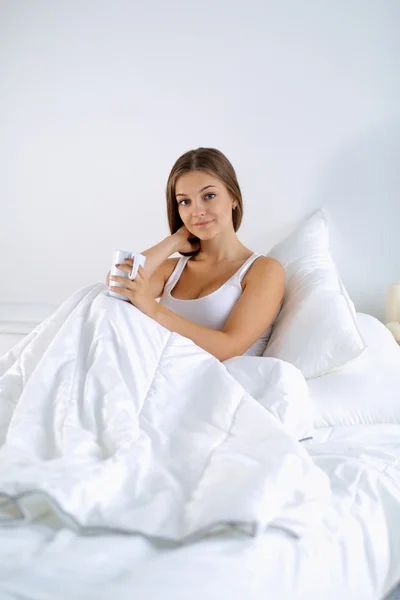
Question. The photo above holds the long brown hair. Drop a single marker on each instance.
(208, 160)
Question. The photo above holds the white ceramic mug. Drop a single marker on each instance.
(119, 259)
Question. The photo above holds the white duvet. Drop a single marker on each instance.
(353, 553)
(111, 423)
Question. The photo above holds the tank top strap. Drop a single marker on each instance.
(245, 267)
(176, 273)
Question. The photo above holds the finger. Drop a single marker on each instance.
(129, 283)
(126, 282)
(118, 278)
(119, 290)
(123, 267)
(124, 291)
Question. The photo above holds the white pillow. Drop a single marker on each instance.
(280, 388)
(316, 329)
(367, 391)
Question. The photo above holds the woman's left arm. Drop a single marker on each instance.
(250, 317)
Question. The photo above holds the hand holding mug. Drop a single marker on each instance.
(137, 291)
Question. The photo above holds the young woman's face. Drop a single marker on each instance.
(204, 204)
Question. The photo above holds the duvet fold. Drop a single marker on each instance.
(110, 422)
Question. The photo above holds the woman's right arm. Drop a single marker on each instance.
(157, 267)
(158, 254)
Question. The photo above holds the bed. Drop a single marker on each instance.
(358, 535)
(285, 535)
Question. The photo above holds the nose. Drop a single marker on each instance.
(198, 209)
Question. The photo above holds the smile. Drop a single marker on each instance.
(203, 224)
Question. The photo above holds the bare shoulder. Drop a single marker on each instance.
(160, 276)
(168, 266)
(264, 268)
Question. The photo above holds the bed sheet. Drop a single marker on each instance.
(353, 553)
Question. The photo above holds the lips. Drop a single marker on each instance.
(203, 224)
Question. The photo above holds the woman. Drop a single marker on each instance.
(127, 427)
(219, 294)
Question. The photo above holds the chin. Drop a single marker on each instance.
(205, 234)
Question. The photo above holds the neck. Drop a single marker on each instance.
(225, 246)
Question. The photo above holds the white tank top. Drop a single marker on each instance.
(213, 310)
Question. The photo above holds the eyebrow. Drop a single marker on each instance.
(203, 188)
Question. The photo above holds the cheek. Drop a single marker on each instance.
(184, 216)
(224, 210)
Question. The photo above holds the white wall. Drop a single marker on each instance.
(98, 99)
